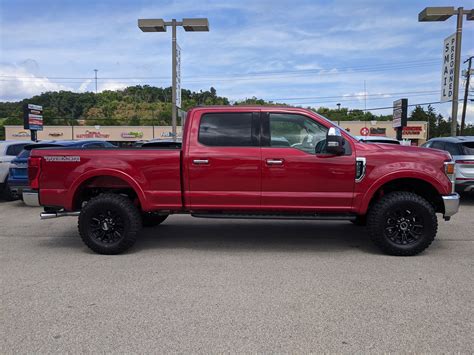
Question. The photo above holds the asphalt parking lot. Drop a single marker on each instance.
(195, 285)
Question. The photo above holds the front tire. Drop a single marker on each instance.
(402, 223)
(109, 224)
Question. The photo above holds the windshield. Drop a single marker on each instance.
(468, 148)
(335, 124)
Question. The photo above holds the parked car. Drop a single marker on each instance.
(8, 151)
(18, 174)
(161, 143)
(377, 139)
(228, 167)
(461, 149)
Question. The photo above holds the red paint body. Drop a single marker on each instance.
(238, 178)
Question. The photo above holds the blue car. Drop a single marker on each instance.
(18, 174)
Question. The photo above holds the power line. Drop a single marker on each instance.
(412, 105)
(252, 75)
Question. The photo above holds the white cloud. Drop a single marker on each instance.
(84, 85)
(17, 83)
(112, 85)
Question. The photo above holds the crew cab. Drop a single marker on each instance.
(250, 162)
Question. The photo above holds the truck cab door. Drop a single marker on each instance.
(224, 161)
(297, 175)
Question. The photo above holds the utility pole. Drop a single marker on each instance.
(96, 70)
(466, 92)
(365, 98)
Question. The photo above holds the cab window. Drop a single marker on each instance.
(298, 132)
(228, 129)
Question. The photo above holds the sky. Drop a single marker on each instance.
(362, 54)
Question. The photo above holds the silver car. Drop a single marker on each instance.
(461, 149)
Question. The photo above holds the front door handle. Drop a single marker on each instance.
(275, 161)
(200, 161)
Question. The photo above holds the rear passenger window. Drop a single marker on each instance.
(452, 148)
(15, 149)
(437, 145)
(227, 130)
(468, 148)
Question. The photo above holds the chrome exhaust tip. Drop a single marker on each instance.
(49, 215)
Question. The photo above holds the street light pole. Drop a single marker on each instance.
(160, 25)
(442, 14)
(457, 64)
(173, 89)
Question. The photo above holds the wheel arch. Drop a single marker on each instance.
(105, 180)
(424, 186)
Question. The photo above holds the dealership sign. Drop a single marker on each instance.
(21, 134)
(400, 111)
(132, 135)
(447, 74)
(92, 134)
(33, 117)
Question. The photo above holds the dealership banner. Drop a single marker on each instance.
(447, 73)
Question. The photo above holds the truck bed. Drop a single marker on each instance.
(154, 173)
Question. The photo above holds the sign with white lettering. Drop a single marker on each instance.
(447, 74)
(33, 117)
(178, 76)
(400, 111)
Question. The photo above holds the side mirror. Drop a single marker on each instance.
(334, 141)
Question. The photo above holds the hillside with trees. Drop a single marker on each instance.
(148, 105)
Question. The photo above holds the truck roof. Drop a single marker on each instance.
(252, 107)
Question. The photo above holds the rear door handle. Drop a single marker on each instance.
(275, 161)
(200, 161)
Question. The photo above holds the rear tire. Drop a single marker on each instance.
(109, 224)
(402, 223)
(151, 219)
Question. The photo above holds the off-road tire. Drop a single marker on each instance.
(151, 219)
(123, 216)
(360, 221)
(380, 223)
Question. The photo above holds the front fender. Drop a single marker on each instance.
(366, 196)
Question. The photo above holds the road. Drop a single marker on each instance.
(196, 285)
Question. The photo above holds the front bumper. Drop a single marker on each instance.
(31, 198)
(451, 205)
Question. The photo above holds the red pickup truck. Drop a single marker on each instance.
(249, 162)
